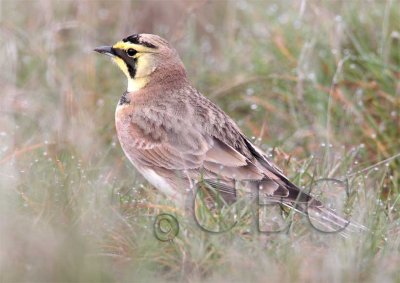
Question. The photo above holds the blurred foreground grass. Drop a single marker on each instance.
(316, 83)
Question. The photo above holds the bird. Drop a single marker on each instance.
(177, 138)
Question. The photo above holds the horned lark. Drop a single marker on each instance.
(175, 136)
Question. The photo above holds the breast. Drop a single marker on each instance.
(122, 122)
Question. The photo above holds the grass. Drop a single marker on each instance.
(315, 83)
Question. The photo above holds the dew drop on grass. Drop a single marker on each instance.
(242, 5)
(312, 77)
(249, 91)
(272, 9)
(297, 24)
(338, 18)
(347, 52)
(283, 19)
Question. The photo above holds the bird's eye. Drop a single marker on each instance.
(131, 52)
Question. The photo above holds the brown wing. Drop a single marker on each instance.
(208, 142)
(179, 146)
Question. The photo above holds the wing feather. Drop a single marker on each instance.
(170, 142)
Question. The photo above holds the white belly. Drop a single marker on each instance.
(157, 181)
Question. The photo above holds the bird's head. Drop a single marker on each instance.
(145, 59)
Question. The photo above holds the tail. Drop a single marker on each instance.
(289, 195)
(321, 218)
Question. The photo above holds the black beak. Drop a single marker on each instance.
(106, 50)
